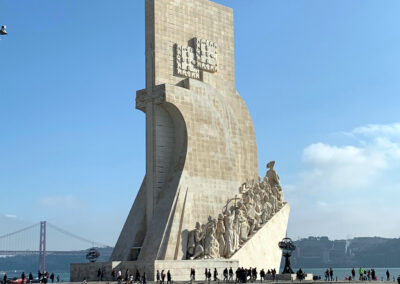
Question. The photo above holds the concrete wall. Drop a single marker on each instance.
(180, 270)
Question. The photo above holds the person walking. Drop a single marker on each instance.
(262, 275)
(58, 278)
(52, 277)
(331, 273)
(387, 275)
(225, 274)
(119, 276)
(215, 274)
(361, 273)
(373, 275)
(5, 278)
(30, 277)
(144, 278)
(127, 273)
(254, 273)
(137, 276)
(230, 274)
(162, 276)
(158, 276)
(169, 277)
(353, 274)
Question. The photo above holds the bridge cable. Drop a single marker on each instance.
(19, 231)
(75, 236)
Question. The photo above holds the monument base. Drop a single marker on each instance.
(179, 269)
(260, 251)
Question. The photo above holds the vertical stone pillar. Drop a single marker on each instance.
(150, 161)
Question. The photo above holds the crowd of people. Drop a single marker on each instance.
(43, 277)
(241, 275)
(329, 274)
(368, 275)
(129, 278)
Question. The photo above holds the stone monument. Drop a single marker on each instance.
(201, 203)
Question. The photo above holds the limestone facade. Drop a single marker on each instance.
(200, 138)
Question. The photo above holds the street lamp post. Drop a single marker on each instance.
(287, 246)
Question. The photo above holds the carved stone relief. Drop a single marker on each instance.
(185, 62)
(191, 60)
(206, 55)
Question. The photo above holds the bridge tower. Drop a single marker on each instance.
(42, 249)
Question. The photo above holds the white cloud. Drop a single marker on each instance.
(386, 130)
(349, 167)
(330, 167)
(11, 216)
(349, 189)
(61, 201)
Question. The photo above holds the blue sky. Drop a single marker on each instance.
(320, 78)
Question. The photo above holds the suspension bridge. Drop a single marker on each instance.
(44, 239)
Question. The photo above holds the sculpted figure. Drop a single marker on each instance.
(258, 210)
(211, 247)
(274, 181)
(273, 177)
(276, 195)
(266, 211)
(236, 231)
(228, 222)
(220, 234)
(246, 186)
(272, 199)
(191, 245)
(198, 239)
(214, 246)
(244, 228)
(253, 217)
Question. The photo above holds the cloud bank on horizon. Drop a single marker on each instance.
(349, 188)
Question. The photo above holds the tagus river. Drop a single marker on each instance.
(342, 273)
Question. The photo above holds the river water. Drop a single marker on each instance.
(342, 273)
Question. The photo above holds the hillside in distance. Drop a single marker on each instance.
(315, 252)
